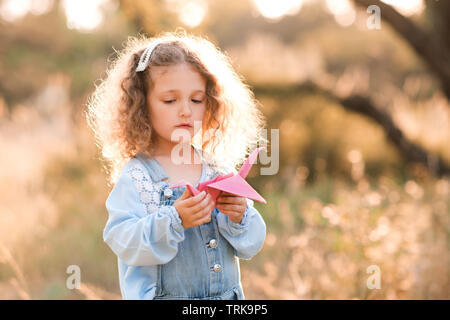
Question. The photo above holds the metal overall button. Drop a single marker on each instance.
(217, 267)
(168, 193)
(212, 243)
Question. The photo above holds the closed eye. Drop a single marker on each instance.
(195, 101)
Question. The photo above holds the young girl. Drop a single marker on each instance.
(168, 98)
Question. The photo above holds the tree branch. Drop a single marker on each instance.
(411, 152)
(429, 46)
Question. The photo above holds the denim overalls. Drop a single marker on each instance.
(158, 258)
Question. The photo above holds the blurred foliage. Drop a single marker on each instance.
(342, 199)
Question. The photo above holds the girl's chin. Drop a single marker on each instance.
(185, 134)
(182, 140)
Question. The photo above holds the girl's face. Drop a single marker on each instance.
(178, 96)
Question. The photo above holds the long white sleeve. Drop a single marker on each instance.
(247, 237)
(139, 238)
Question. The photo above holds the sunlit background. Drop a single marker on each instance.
(87, 15)
(346, 196)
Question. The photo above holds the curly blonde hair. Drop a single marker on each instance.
(118, 113)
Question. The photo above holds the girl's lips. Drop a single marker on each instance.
(184, 126)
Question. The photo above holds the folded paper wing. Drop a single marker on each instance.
(230, 183)
(238, 186)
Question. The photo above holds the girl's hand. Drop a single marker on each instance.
(231, 205)
(194, 211)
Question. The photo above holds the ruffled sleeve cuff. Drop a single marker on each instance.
(237, 228)
(175, 220)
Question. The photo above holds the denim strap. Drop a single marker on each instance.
(156, 173)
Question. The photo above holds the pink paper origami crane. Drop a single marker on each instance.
(231, 183)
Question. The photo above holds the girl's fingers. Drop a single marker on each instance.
(204, 211)
(231, 200)
(186, 194)
(230, 214)
(193, 201)
(202, 204)
(233, 216)
(205, 219)
(229, 207)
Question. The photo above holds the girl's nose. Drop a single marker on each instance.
(185, 109)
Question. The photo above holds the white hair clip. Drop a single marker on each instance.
(145, 57)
